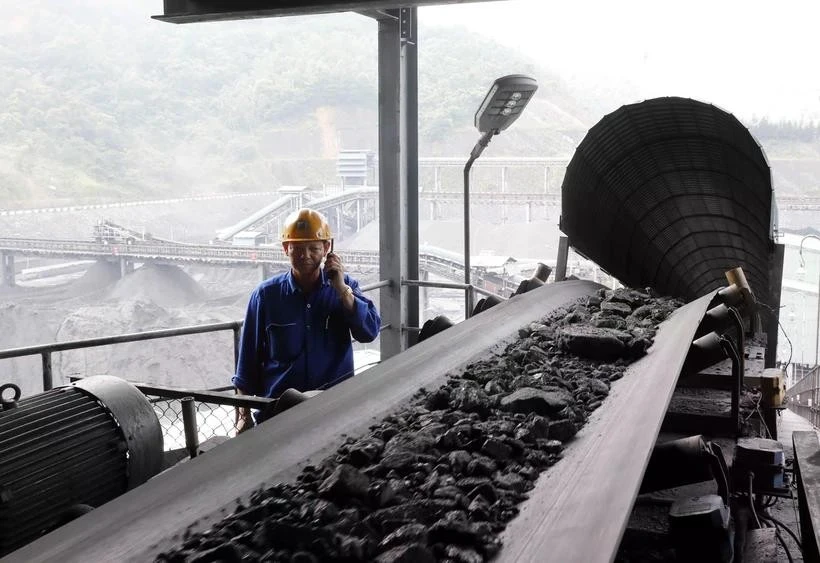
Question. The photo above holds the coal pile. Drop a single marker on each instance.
(439, 479)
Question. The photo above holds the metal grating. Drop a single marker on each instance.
(57, 449)
(670, 193)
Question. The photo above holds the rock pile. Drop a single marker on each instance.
(438, 480)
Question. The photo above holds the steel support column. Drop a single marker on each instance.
(7, 270)
(772, 315)
(561, 262)
(398, 176)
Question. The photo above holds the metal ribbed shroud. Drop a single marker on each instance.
(57, 449)
(671, 193)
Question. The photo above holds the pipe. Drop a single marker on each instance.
(189, 422)
(474, 154)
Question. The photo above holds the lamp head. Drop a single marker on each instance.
(503, 104)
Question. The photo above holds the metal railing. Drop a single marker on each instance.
(210, 413)
(46, 350)
(468, 288)
(803, 398)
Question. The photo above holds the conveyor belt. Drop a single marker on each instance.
(579, 508)
(143, 522)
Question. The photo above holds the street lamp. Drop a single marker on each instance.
(503, 104)
(802, 271)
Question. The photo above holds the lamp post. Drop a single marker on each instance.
(503, 104)
(802, 269)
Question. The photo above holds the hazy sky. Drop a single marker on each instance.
(749, 57)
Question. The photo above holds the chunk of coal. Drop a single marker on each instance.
(550, 446)
(453, 531)
(534, 428)
(616, 308)
(350, 547)
(281, 533)
(449, 491)
(381, 494)
(470, 399)
(493, 387)
(407, 534)
(438, 399)
(418, 442)
(345, 480)
(479, 508)
(484, 490)
(224, 552)
(511, 481)
(302, 557)
(459, 460)
(631, 297)
(410, 553)
(365, 451)
(609, 321)
(531, 400)
(454, 439)
(424, 511)
(592, 342)
(562, 430)
(481, 466)
(460, 554)
(399, 460)
(496, 449)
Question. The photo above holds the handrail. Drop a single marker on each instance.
(46, 350)
(468, 289)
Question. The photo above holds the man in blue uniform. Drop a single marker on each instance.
(298, 324)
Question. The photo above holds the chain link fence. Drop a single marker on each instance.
(213, 420)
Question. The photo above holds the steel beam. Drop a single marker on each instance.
(398, 177)
(772, 314)
(152, 518)
(193, 11)
(408, 28)
(7, 273)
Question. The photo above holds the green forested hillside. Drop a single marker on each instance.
(105, 102)
(101, 102)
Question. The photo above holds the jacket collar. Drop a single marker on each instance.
(291, 283)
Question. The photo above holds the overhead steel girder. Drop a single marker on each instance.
(669, 193)
(192, 11)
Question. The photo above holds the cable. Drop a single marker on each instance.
(785, 547)
(780, 524)
(763, 421)
(794, 507)
(757, 404)
(751, 499)
(782, 328)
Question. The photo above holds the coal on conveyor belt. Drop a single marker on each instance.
(439, 479)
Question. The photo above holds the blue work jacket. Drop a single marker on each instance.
(290, 340)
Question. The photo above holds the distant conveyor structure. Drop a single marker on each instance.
(670, 193)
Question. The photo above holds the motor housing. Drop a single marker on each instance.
(83, 444)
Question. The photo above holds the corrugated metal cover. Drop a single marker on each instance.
(670, 193)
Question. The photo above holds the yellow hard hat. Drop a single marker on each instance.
(305, 225)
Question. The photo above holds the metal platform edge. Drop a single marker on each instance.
(580, 507)
(153, 517)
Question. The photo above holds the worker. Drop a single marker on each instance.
(298, 325)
